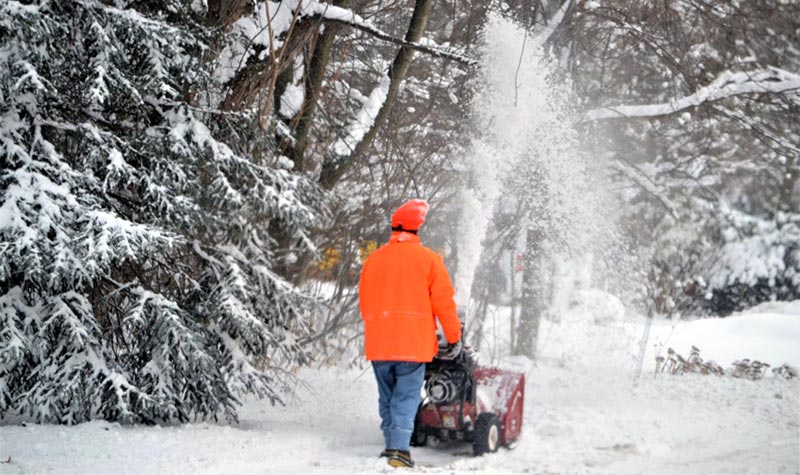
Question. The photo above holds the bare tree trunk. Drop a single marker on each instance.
(317, 64)
(513, 293)
(530, 317)
(224, 13)
(479, 318)
(336, 166)
(256, 82)
(791, 174)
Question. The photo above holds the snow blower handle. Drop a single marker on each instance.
(451, 351)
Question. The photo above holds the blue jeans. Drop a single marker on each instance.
(399, 387)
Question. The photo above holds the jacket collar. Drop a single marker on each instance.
(400, 236)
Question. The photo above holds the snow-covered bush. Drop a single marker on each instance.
(731, 263)
(759, 260)
(135, 258)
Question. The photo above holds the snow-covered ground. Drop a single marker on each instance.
(582, 415)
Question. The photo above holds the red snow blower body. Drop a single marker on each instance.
(465, 401)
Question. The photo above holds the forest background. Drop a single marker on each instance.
(189, 188)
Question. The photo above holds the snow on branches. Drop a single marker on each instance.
(267, 25)
(771, 80)
(702, 121)
(135, 253)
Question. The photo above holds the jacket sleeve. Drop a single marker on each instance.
(444, 307)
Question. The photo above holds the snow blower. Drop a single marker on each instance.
(467, 402)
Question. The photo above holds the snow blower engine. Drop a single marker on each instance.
(467, 402)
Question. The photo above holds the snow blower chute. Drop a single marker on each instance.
(468, 402)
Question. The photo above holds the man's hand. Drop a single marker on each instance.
(452, 351)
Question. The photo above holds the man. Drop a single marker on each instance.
(404, 287)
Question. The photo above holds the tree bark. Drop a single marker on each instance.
(224, 13)
(333, 169)
(320, 57)
(532, 302)
(258, 76)
(791, 174)
(431, 50)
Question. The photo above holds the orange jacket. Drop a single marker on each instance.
(404, 287)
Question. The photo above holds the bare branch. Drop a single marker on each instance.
(425, 45)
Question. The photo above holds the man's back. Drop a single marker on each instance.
(403, 286)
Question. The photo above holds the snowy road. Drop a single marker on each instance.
(575, 422)
(580, 418)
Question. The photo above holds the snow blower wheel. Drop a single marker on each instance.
(466, 402)
(487, 434)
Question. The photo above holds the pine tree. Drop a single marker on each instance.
(135, 254)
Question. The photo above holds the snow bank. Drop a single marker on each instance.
(769, 333)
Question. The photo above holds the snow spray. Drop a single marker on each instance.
(508, 101)
(522, 123)
(526, 152)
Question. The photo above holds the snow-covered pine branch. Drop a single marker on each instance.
(134, 225)
(757, 254)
